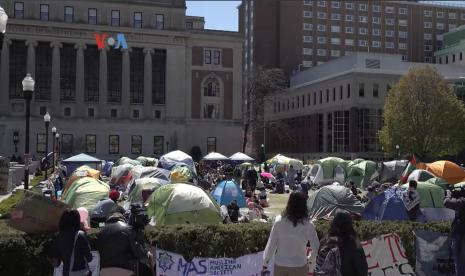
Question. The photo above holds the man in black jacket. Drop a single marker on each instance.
(455, 200)
(119, 245)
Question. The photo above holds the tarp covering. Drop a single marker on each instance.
(138, 172)
(182, 203)
(126, 160)
(141, 184)
(182, 174)
(391, 171)
(37, 214)
(85, 192)
(227, 191)
(447, 170)
(121, 175)
(328, 165)
(329, 199)
(214, 156)
(239, 156)
(386, 206)
(173, 158)
(431, 195)
(147, 161)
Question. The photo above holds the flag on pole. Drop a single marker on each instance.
(411, 166)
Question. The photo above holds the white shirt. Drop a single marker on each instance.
(288, 244)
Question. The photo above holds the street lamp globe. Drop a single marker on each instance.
(397, 147)
(3, 20)
(57, 135)
(54, 130)
(28, 83)
(47, 118)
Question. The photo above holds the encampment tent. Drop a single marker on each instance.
(174, 158)
(431, 195)
(329, 199)
(214, 156)
(85, 192)
(81, 159)
(386, 206)
(227, 191)
(447, 170)
(420, 175)
(391, 171)
(139, 172)
(284, 161)
(361, 172)
(182, 203)
(141, 185)
(83, 171)
(239, 156)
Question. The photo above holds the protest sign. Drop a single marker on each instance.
(434, 256)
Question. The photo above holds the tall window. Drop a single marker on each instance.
(348, 90)
(136, 144)
(40, 144)
(44, 12)
(67, 143)
(159, 21)
(158, 76)
(91, 74)
(370, 122)
(137, 20)
(68, 73)
(341, 131)
(69, 14)
(114, 67)
(361, 90)
(19, 10)
(211, 144)
(340, 92)
(91, 143)
(115, 18)
(375, 90)
(18, 60)
(211, 98)
(212, 88)
(158, 142)
(43, 76)
(113, 144)
(92, 17)
(207, 57)
(216, 57)
(137, 76)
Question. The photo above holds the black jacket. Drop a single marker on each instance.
(120, 246)
(63, 247)
(457, 204)
(353, 261)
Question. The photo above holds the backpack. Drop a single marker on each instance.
(328, 261)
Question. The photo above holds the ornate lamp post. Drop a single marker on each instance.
(262, 153)
(398, 152)
(3, 21)
(57, 138)
(16, 140)
(28, 89)
(54, 132)
(47, 119)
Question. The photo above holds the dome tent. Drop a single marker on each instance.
(182, 203)
(386, 206)
(227, 191)
(85, 192)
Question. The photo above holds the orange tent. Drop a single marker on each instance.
(447, 170)
(83, 171)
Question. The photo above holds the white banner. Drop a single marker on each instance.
(94, 265)
(172, 264)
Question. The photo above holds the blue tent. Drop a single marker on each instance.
(82, 159)
(227, 191)
(386, 206)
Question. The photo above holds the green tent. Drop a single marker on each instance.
(182, 203)
(135, 196)
(360, 172)
(329, 164)
(439, 182)
(431, 195)
(85, 192)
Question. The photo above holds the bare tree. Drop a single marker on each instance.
(262, 82)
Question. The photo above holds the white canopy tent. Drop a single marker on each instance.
(239, 156)
(215, 156)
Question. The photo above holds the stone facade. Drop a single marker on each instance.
(157, 95)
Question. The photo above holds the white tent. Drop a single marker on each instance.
(214, 156)
(239, 156)
(176, 157)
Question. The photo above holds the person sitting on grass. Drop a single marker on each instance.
(263, 198)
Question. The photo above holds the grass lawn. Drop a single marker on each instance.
(277, 203)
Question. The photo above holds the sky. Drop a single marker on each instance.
(222, 15)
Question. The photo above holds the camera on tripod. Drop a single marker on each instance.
(138, 219)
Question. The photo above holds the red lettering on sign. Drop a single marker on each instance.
(100, 39)
(368, 256)
(396, 239)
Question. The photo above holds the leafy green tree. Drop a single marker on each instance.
(423, 116)
(196, 153)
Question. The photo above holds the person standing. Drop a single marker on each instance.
(456, 201)
(287, 243)
(252, 177)
(291, 177)
(341, 252)
(71, 245)
(411, 200)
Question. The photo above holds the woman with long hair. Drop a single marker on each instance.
(291, 232)
(71, 245)
(341, 252)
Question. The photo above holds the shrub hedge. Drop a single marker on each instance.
(22, 254)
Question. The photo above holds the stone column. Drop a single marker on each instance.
(31, 57)
(126, 84)
(5, 77)
(148, 83)
(103, 84)
(80, 110)
(56, 46)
